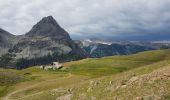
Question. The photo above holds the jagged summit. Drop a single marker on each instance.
(47, 26)
(49, 19)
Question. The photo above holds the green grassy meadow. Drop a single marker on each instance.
(142, 76)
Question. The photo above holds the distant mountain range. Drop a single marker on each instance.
(101, 48)
(47, 41)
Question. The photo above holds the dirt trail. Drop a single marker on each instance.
(29, 95)
(7, 97)
(12, 93)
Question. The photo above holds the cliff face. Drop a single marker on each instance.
(45, 38)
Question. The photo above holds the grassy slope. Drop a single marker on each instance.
(116, 64)
(104, 78)
(7, 79)
(133, 84)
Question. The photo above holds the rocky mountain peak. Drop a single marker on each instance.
(49, 20)
(45, 39)
(47, 26)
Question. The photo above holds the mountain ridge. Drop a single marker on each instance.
(101, 48)
(45, 39)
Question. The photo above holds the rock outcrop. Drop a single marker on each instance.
(45, 39)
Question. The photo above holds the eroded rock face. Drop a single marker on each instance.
(46, 37)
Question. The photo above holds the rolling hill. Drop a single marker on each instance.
(142, 76)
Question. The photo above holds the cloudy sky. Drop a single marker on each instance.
(113, 19)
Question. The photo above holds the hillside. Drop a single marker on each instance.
(115, 64)
(143, 76)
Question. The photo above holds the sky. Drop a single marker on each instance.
(109, 19)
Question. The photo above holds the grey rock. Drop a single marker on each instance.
(7, 40)
(46, 37)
